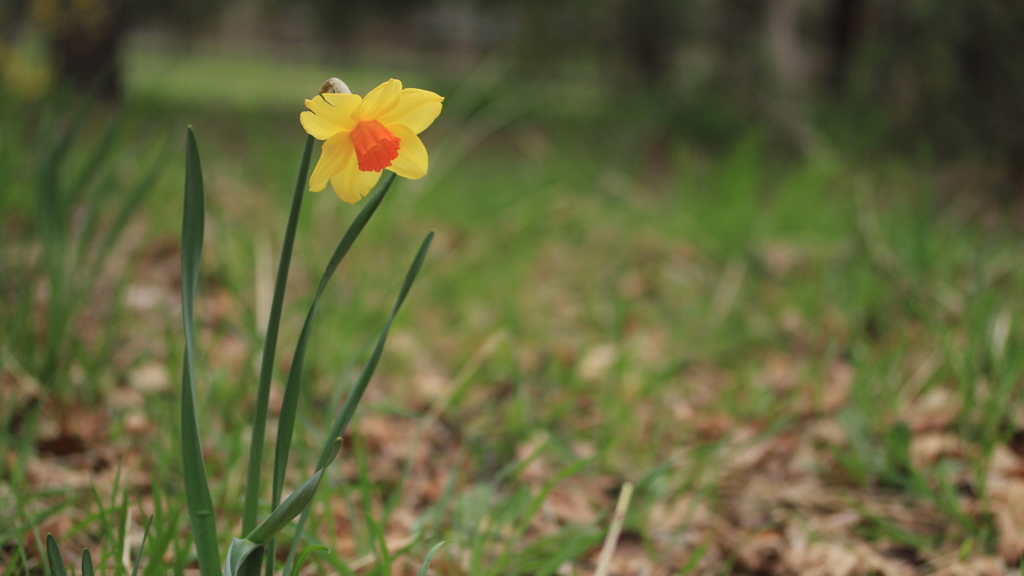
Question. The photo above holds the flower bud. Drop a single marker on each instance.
(334, 86)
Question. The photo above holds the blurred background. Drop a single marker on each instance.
(859, 75)
(715, 247)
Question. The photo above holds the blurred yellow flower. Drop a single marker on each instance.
(363, 136)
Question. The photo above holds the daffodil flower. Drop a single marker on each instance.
(363, 136)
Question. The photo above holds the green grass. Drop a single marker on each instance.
(629, 300)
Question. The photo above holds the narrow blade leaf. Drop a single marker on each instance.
(87, 569)
(289, 405)
(305, 554)
(259, 425)
(197, 489)
(380, 547)
(240, 551)
(290, 508)
(349, 408)
(53, 555)
(142, 547)
(430, 556)
(290, 402)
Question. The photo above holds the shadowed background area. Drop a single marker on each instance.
(760, 258)
(857, 74)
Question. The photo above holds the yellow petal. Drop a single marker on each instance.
(412, 155)
(337, 153)
(351, 184)
(317, 126)
(416, 108)
(379, 101)
(330, 115)
(345, 103)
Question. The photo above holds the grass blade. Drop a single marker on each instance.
(259, 425)
(349, 408)
(123, 545)
(89, 172)
(142, 547)
(131, 203)
(380, 546)
(53, 555)
(197, 488)
(305, 554)
(430, 556)
(165, 517)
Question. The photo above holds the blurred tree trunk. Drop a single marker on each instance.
(88, 60)
(790, 61)
(12, 14)
(846, 30)
(648, 35)
(85, 36)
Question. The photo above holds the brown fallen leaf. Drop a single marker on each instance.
(597, 361)
(150, 378)
(927, 449)
(934, 410)
(979, 566)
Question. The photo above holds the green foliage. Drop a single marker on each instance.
(306, 552)
(76, 196)
(55, 559)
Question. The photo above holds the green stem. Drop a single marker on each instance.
(259, 425)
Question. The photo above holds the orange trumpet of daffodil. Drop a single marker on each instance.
(363, 136)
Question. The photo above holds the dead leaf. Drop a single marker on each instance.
(538, 470)
(151, 378)
(837, 388)
(1006, 494)
(597, 361)
(762, 553)
(979, 566)
(927, 449)
(932, 411)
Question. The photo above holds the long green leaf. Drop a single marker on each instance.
(348, 410)
(165, 518)
(430, 556)
(292, 506)
(259, 426)
(53, 555)
(305, 554)
(197, 488)
(87, 568)
(242, 552)
(380, 547)
(242, 555)
(142, 547)
(290, 402)
(122, 513)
